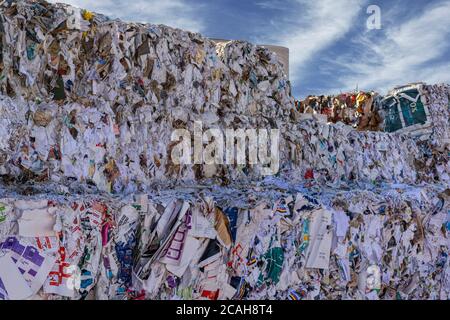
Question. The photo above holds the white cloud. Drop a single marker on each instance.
(272, 4)
(317, 25)
(407, 52)
(174, 13)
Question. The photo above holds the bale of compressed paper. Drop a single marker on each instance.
(97, 102)
(114, 92)
(271, 243)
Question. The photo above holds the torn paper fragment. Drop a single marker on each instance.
(191, 246)
(318, 254)
(14, 284)
(37, 223)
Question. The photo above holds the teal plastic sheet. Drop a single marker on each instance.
(404, 109)
(413, 111)
(392, 120)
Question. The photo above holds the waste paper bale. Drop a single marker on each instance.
(99, 99)
(95, 100)
(271, 243)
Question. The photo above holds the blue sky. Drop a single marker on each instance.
(331, 48)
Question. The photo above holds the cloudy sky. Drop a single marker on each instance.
(331, 48)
